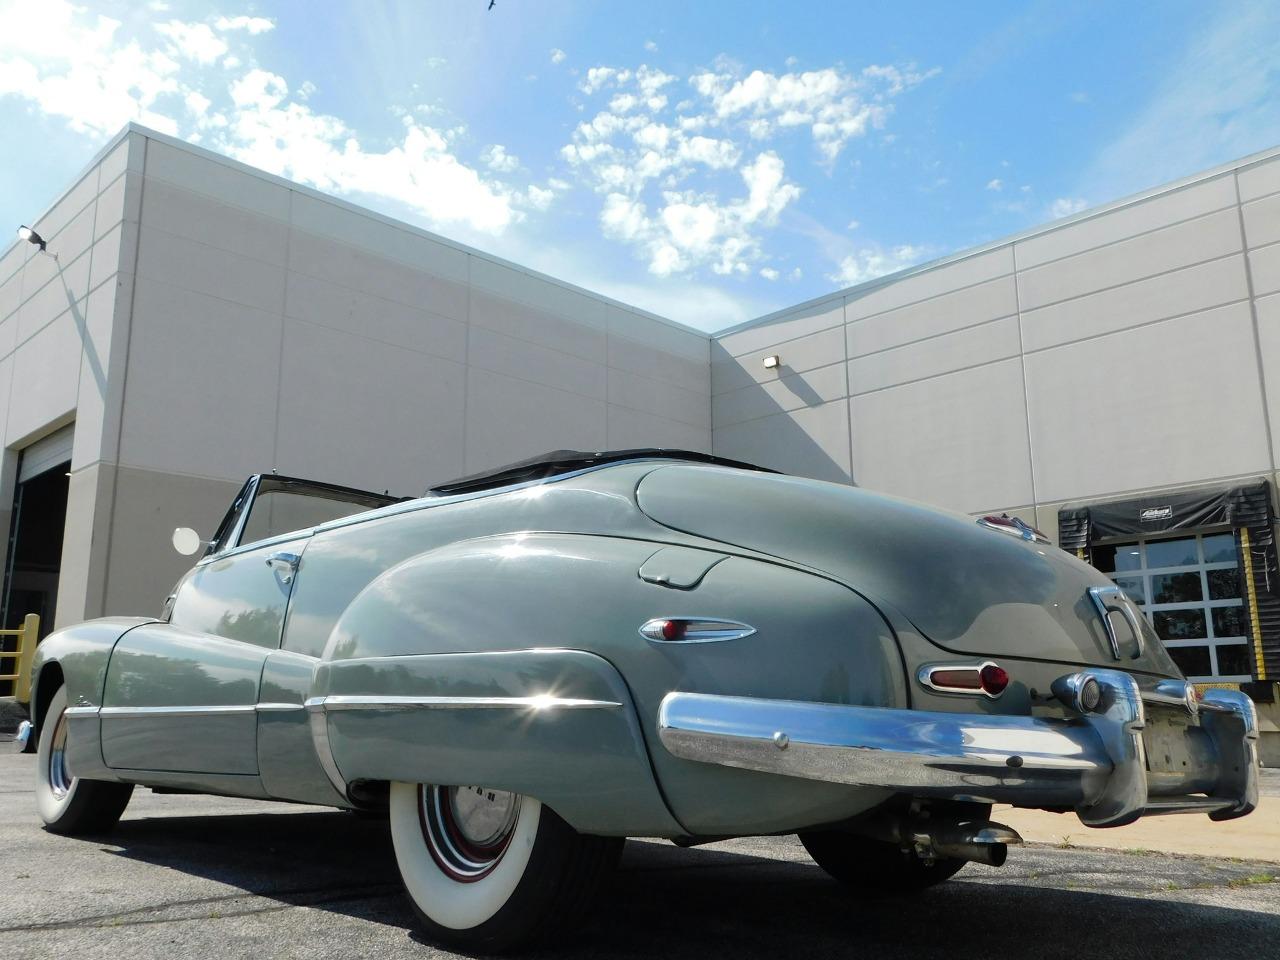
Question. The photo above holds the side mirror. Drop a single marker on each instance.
(186, 541)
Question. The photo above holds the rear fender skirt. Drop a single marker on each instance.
(557, 725)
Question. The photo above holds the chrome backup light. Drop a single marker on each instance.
(1079, 691)
(986, 678)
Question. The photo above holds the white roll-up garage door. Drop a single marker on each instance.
(46, 453)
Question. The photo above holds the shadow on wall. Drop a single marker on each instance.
(793, 417)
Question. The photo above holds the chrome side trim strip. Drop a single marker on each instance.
(278, 707)
(540, 702)
(132, 713)
(74, 713)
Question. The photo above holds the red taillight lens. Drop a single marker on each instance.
(673, 629)
(993, 679)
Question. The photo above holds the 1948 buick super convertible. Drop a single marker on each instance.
(524, 668)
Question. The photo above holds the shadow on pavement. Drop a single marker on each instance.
(670, 902)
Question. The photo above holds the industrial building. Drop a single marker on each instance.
(1112, 378)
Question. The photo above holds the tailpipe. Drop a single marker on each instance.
(981, 841)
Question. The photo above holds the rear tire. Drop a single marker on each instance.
(69, 804)
(491, 871)
(876, 866)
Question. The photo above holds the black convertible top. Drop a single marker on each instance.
(566, 461)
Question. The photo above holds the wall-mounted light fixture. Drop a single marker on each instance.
(29, 235)
(772, 362)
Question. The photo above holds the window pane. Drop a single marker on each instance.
(1133, 587)
(1233, 660)
(1115, 557)
(1176, 588)
(1220, 548)
(1228, 621)
(1192, 661)
(1223, 584)
(1180, 624)
(1171, 553)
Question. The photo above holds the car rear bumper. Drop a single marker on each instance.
(1095, 763)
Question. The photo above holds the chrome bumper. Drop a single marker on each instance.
(1095, 763)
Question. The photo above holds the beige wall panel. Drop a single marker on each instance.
(366, 414)
(201, 390)
(651, 361)
(1264, 264)
(363, 314)
(115, 252)
(351, 267)
(1260, 179)
(10, 295)
(117, 161)
(629, 429)
(793, 392)
(379, 238)
(813, 442)
(931, 283)
(538, 292)
(221, 181)
(82, 569)
(73, 239)
(1262, 221)
(120, 200)
(143, 567)
(958, 441)
(1139, 418)
(8, 337)
(54, 298)
(940, 315)
(659, 399)
(510, 420)
(498, 353)
(1196, 288)
(185, 213)
(101, 380)
(1127, 221)
(996, 340)
(1195, 241)
(785, 327)
(806, 353)
(664, 337)
(70, 207)
(208, 270)
(46, 369)
(1269, 338)
(526, 323)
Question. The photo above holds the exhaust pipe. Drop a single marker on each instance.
(981, 841)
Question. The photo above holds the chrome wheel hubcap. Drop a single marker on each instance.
(467, 829)
(60, 778)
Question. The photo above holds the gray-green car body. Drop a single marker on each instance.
(506, 637)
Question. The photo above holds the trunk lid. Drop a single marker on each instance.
(965, 587)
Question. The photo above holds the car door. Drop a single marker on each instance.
(183, 695)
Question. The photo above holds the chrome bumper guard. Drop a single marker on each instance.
(1094, 763)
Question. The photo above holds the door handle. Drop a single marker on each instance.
(285, 564)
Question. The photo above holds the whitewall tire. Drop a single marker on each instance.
(66, 803)
(492, 870)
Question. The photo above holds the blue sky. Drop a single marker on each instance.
(708, 161)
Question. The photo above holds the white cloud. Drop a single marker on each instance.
(871, 262)
(77, 66)
(557, 55)
(651, 46)
(195, 41)
(1065, 207)
(769, 273)
(995, 184)
(497, 158)
(254, 25)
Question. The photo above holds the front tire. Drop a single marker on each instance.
(876, 866)
(69, 804)
(491, 871)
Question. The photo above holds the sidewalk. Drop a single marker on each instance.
(1255, 837)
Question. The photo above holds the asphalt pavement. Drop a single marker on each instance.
(195, 877)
